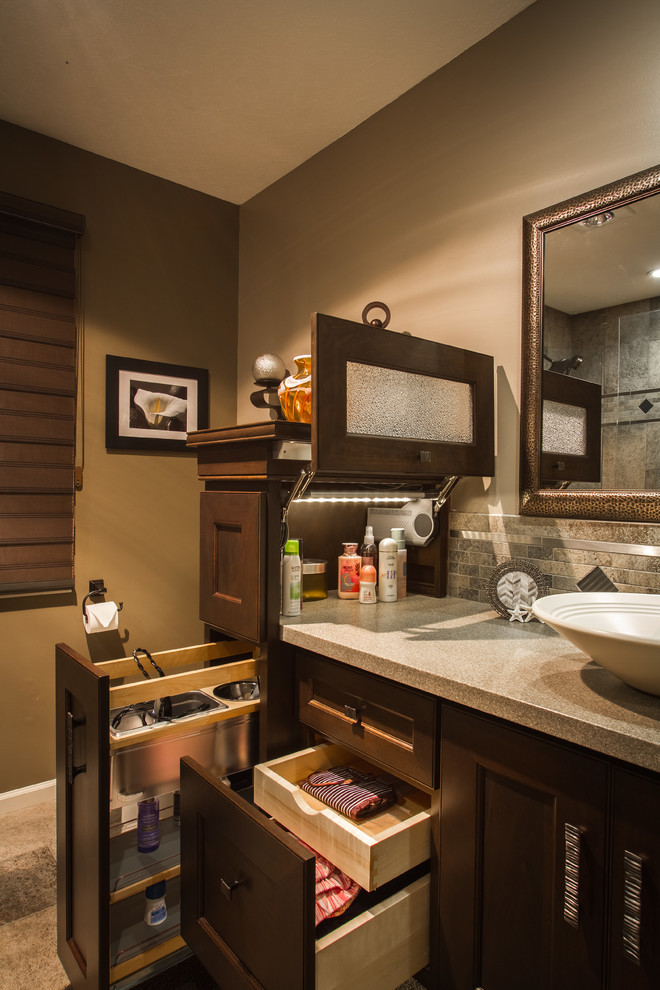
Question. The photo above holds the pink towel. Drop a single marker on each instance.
(334, 890)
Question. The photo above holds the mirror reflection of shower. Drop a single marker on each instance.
(564, 366)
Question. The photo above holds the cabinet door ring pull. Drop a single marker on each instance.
(228, 887)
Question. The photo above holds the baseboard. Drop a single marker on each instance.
(23, 797)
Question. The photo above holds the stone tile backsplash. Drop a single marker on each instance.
(563, 550)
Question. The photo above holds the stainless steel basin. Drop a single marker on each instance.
(238, 691)
(146, 714)
(149, 764)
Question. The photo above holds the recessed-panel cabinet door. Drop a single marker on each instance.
(247, 890)
(83, 819)
(522, 860)
(232, 590)
(635, 924)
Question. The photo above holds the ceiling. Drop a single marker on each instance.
(587, 268)
(224, 97)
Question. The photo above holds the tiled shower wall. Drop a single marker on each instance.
(563, 550)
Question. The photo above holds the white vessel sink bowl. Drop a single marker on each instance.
(620, 631)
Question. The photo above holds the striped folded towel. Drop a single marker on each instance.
(353, 793)
(334, 890)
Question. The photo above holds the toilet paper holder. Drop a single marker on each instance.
(97, 591)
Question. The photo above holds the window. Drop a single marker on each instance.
(38, 249)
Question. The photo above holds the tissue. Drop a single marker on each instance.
(101, 618)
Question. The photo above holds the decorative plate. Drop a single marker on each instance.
(514, 587)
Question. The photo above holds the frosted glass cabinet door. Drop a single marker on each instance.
(386, 404)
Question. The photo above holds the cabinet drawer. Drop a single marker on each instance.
(248, 905)
(371, 852)
(391, 725)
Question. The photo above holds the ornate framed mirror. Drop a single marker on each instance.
(590, 390)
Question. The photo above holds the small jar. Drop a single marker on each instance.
(315, 581)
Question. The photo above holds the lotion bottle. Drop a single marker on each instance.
(402, 563)
(368, 585)
(388, 555)
(349, 572)
(291, 579)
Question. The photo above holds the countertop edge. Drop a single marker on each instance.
(573, 725)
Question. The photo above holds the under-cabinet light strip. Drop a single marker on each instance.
(354, 498)
(549, 542)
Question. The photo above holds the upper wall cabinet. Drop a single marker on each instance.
(391, 405)
(386, 407)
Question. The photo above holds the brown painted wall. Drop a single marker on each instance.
(421, 206)
(160, 283)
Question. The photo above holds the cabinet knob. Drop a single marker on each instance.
(353, 713)
(228, 887)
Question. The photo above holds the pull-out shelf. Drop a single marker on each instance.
(373, 851)
(102, 937)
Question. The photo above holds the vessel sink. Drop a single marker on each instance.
(619, 631)
(139, 716)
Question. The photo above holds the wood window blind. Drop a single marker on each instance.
(37, 394)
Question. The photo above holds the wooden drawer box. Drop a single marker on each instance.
(248, 904)
(390, 725)
(371, 852)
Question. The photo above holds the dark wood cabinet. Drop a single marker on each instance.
(101, 775)
(248, 907)
(522, 860)
(635, 901)
(232, 592)
(248, 876)
(248, 899)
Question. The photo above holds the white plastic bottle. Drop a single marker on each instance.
(402, 564)
(155, 908)
(368, 585)
(388, 555)
(291, 579)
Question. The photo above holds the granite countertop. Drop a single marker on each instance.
(465, 652)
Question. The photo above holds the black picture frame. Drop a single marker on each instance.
(172, 401)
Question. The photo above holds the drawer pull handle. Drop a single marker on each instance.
(632, 906)
(572, 875)
(353, 713)
(71, 770)
(228, 888)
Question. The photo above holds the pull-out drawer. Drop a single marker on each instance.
(371, 852)
(248, 904)
(393, 725)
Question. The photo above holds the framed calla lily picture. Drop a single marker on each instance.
(153, 406)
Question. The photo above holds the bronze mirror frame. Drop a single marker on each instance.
(629, 506)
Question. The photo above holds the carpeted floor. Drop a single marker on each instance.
(28, 945)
